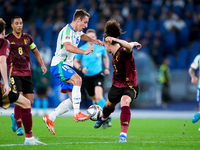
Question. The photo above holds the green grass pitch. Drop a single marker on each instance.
(143, 134)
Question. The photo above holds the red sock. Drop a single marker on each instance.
(107, 112)
(17, 111)
(27, 121)
(125, 118)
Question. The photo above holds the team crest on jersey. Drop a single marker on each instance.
(25, 41)
(98, 55)
(67, 37)
(12, 43)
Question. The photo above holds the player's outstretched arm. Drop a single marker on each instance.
(70, 48)
(128, 46)
(84, 37)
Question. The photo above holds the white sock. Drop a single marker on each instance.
(76, 98)
(122, 133)
(62, 108)
(29, 138)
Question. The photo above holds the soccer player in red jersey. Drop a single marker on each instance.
(124, 81)
(20, 68)
(8, 96)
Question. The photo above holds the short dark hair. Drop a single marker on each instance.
(2, 25)
(80, 13)
(90, 30)
(12, 19)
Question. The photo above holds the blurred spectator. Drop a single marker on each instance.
(125, 9)
(195, 28)
(43, 87)
(117, 16)
(164, 79)
(156, 51)
(59, 24)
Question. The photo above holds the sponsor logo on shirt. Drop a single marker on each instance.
(12, 43)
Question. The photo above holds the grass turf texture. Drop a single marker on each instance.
(148, 134)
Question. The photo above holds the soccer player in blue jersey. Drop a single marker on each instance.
(92, 69)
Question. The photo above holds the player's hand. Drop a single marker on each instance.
(44, 69)
(106, 71)
(84, 70)
(109, 39)
(6, 90)
(137, 45)
(98, 42)
(89, 50)
(194, 80)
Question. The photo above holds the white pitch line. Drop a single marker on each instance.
(70, 143)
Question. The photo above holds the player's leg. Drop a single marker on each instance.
(62, 108)
(99, 96)
(197, 115)
(76, 97)
(107, 110)
(128, 96)
(125, 117)
(101, 102)
(16, 84)
(26, 116)
(27, 121)
(28, 92)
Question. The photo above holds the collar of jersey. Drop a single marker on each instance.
(71, 28)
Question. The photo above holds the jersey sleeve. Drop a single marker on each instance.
(104, 51)
(78, 56)
(196, 62)
(66, 35)
(32, 44)
(5, 49)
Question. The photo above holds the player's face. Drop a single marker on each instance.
(106, 46)
(17, 25)
(82, 24)
(92, 35)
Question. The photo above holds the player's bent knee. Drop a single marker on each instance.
(125, 101)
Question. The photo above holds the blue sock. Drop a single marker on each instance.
(45, 103)
(37, 105)
(101, 103)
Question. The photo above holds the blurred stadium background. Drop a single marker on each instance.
(165, 28)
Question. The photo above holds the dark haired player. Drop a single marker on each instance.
(8, 96)
(20, 68)
(124, 81)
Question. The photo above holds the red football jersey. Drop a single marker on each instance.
(19, 58)
(124, 74)
(4, 49)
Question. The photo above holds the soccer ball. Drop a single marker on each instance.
(95, 112)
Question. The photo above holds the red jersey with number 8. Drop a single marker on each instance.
(19, 58)
(124, 74)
